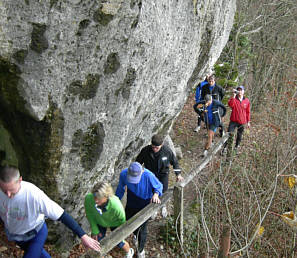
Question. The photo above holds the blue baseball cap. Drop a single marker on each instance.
(240, 87)
(134, 173)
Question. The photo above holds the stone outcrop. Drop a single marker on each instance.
(85, 83)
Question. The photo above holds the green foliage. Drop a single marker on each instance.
(227, 74)
(168, 236)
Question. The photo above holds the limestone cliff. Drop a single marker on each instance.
(85, 83)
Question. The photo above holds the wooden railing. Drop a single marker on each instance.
(122, 232)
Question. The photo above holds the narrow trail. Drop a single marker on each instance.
(192, 145)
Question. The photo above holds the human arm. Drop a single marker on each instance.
(231, 101)
(87, 241)
(121, 186)
(117, 210)
(156, 185)
(176, 168)
(198, 92)
(248, 115)
(223, 108)
(89, 205)
(221, 92)
(140, 156)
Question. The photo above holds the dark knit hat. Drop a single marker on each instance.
(157, 140)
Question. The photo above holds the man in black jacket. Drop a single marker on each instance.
(211, 88)
(157, 158)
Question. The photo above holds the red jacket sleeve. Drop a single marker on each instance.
(248, 113)
(231, 102)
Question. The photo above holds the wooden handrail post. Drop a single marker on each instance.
(178, 201)
(225, 242)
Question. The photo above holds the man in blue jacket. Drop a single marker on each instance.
(217, 93)
(142, 188)
(212, 118)
(197, 99)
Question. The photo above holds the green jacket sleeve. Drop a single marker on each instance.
(89, 204)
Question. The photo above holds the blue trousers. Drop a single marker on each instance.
(103, 232)
(34, 247)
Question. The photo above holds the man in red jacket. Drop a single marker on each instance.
(240, 115)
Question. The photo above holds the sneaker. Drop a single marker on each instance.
(130, 253)
(197, 129)
(164, 212)
(135, 241)
(205, 153)
(141, 255)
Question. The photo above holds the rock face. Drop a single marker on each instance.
(85, 83)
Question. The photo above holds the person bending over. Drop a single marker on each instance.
(142, 188)
(23, 209)
(105, 210)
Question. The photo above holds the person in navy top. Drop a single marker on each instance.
(212, 118)
(143, 187)
(197, 99)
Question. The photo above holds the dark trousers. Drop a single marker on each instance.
(34, 247)
(163, 178)
(240, 130)
(141, 232)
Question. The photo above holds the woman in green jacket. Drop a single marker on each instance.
(105, 210)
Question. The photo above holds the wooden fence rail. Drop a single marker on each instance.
(122, 232)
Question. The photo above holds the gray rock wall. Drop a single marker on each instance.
(85, 83)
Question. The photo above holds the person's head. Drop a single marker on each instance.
(208, 99)
(10, 180)
(157, 142)
(240, 91)
(211, 80)
(102, 191)
(134, 173)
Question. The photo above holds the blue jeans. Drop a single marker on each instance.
(34, 247)
(103, 232)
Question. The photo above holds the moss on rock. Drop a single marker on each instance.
(89, 145)
(87, 89)
(20, 55)
(102, 17)
(112, 63)
(39, 42)
(82, 26)
(127, 83)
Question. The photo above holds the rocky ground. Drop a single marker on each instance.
(191, 144)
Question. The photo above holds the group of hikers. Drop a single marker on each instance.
(24, 207)
(210, 109)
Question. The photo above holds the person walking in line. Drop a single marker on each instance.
(217, 93)
(142, 188)
(157, 158)
(23, 209)
(105, 210)
(212, 118)
(197, 99)
(240, 116)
